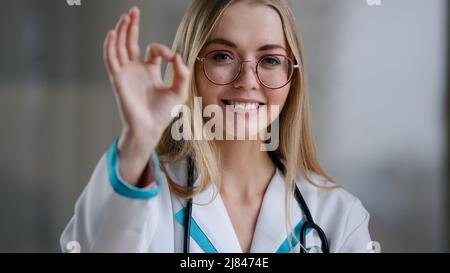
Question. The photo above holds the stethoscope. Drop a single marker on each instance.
(307, 225)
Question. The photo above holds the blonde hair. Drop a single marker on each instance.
(296, 149)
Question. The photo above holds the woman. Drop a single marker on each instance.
(154, 191)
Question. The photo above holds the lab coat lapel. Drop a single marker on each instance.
(271, 233)
(213, 231)
(211, 226)
(212, 218)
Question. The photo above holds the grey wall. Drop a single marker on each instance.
(378, 86)
(377, 81)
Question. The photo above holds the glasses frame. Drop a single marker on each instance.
(294, 66)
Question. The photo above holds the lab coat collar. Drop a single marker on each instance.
(209, 212)
(212, 219)
(271, 233)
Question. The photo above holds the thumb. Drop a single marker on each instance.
(181, 78)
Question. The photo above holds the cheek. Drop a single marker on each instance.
(276, 101)
(278, 97)
(208, 91)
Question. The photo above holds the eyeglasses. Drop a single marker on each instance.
(273, 71)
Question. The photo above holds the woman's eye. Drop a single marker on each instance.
(271, 60)
(222, 57)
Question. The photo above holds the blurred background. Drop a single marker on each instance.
(378, 78)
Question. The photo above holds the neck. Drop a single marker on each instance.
(246, 170)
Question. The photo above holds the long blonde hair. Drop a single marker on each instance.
(296, 148)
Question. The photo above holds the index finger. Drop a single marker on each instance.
(156, 52)
(181, 76)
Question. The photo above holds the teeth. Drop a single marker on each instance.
(244, 106)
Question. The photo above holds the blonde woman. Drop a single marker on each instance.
(170, 183)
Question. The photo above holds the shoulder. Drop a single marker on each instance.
(340, 213)
(324, 193)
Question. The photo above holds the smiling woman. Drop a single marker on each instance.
(153, 192)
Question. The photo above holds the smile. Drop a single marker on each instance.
(242, 106)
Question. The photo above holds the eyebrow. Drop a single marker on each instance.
(227, 43)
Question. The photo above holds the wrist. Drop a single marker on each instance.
(137, 142)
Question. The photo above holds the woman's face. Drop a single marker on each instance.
(246, 32)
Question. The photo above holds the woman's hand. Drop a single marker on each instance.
(144, 103)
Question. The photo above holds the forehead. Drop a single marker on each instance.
(250, 26)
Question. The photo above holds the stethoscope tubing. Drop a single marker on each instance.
(309, 223)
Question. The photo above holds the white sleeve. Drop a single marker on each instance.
(111, 215)
(356, 237)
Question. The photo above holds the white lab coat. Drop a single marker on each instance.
(112, 219)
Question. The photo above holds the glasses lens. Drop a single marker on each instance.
(221, 67)
(275, 71)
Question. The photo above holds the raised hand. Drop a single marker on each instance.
(144, 103)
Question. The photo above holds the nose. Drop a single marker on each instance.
(247, 77)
